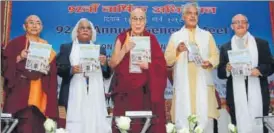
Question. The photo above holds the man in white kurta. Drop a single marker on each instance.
(194, 89)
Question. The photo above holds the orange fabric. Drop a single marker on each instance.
(37, 96)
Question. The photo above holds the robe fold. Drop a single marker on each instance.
(26, 88)
(142, 91)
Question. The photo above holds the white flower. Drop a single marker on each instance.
(50, 125)
(170, 128)
(123, 123)
(198, 129)
(184, 130)
(61, 130)
(232, 128)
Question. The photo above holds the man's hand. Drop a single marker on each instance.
(255, 72)
(181, 47)
(103, 59)
(128, 46)
(76, 69)
(206, 65)
(143, 65)
(23, 55)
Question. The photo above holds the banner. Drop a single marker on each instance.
(163, 18)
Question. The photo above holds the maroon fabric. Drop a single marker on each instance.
(129, 93)
(61, 123)
(31, 120)
(18, 81)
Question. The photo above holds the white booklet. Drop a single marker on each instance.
(89, 58)
(240, 60)
(194, 53)
(38, 57)
(140, 53)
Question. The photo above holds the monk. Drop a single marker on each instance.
(30, 95)
(139, 91)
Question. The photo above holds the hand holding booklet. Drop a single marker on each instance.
(240, 61)
(194, 53)
(140, 53)
(38, 57)
(89, 58)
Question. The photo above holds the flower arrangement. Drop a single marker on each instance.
(193, 126)
(170, 128)
(123, 123)
(51, 127)
(232, 128)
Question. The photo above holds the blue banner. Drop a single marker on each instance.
(163, 18)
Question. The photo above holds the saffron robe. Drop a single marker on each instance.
(26, 88)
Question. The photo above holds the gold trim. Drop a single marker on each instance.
(7, 18)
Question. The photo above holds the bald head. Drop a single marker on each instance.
(138, 11)
(239, 16)
(32, 17)
(33, 25)
(240, 25)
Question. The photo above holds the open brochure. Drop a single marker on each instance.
(140, 53)
(38, 57)
(89, 58)
(240, 60)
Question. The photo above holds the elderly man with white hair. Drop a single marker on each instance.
(192, 53)
(247, 97)
(82, 95)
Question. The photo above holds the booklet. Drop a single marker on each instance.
(140, 53)
(38, 57)
(89, 58)
(240, 61)
(194, 53)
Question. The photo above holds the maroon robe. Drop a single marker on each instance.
(144, 91)
(17, 89)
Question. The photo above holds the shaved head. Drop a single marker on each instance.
(32, 17)
(33, 25)
(139, 11)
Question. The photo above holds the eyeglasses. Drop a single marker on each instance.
(239, 22)
(191, 13)
(83, 28)
(33, 23)
(135, 19)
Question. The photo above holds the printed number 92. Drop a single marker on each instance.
(63, 29)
